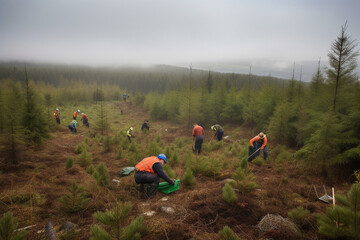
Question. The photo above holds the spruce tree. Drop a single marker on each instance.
(8, 228)
(343, 62)
(13, 132)
(343, 221)
(101, 175)
(34, 120)
(227, 234)
(76, 200)
(115, 218)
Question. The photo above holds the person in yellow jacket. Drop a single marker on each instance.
(129, 133)
(148, 173)
(258, 143)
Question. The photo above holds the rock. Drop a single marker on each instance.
(49, 230)
(149, 213)
(67, 226)
(164, 199)
(168, 210)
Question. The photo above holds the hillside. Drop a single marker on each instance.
(32, 190)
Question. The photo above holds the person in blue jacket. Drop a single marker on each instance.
(72, 126)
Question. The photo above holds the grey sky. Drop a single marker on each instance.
(119, 32)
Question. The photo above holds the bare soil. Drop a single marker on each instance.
(200, 211)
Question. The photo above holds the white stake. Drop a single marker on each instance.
(333, 195)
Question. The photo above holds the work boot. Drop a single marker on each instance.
(150, 190)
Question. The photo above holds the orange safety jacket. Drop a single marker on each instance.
(146, 164)
(75, 114)
(56, 114)
(257, 139)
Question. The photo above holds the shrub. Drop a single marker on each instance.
(168, 152)
(197, 165)
(84, 159)
(284, 156)
(169, 171)
(107, 144)
(119, 153)
(244, 180)
(81, 147)
(101, 175)
(298, 215)
(216, 145)
(132, 147)
(258, 161)
(179, 142)
(69, 162)
(8, 228)
(228, 194)
(213, 166)
(154, 149)
(174, 159)
(90, 169)
(76, 200)
(227, 234)
(188, 178)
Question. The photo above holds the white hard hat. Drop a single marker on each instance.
(131, 128)
(56, 109)
(78, 110)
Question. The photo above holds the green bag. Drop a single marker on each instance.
(167, 188)
(127, 171)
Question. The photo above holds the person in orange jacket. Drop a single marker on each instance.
(57, 116)
(198, 136)
(256, 143)
(148, 173)
(75, 114)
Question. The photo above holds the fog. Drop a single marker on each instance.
(224, 35)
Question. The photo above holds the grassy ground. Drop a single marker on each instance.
(33, 189)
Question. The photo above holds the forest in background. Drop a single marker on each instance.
(319, 122)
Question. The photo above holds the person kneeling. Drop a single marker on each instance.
(148, 173)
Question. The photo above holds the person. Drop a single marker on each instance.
(257, 144)
(129, 133)
(124, 97)
(148, 173)
(85, 119)
(198, 136)
(72, 126)
(76, 113)
(145, 125)
(57, 116)
(218, 131)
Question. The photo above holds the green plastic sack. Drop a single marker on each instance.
(127, 171)
(167, 188)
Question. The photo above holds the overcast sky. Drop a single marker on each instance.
(116, 32)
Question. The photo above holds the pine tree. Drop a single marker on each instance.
(343, 62)
(115, 218)
(188, 178)
(101, 175)
(228, 194)
(102, 124)
(13, 133)
(8, 228)
(343, 221)
(34, 121)
(227, 234)
(76, 200)
(96, 233)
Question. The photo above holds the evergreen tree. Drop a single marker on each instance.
(76, 200)
(102, 124)
(229, 194)
(34, 123)
(278, 126)
(13, 134)
(8, 228)
(101, 175)
(343, 221)
(115, 218)
(343, 62)
(227, 234)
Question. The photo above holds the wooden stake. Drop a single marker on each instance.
(333, 196)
